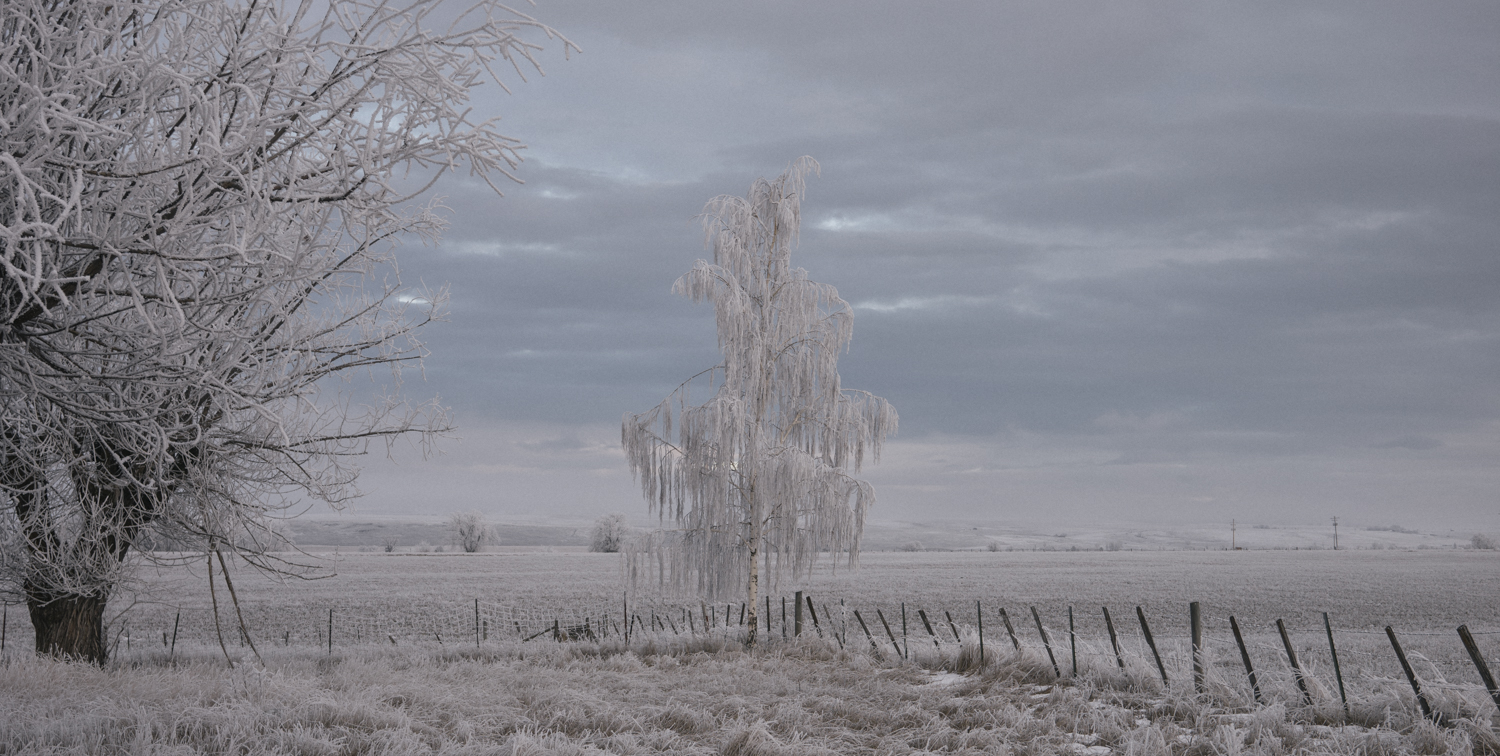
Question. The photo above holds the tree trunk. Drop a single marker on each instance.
(69, 626)
(753, 614)
(757, 539)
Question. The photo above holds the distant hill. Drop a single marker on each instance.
(430, 533)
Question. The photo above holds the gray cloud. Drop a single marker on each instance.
(1139, 235)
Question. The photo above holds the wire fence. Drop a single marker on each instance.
(1363, 662)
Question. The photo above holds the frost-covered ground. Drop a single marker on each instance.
(682, 696)
(677, 690)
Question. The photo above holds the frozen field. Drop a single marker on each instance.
(1362, 590)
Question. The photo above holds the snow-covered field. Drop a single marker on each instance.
(694, 692)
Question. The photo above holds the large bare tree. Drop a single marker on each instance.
(758, 478)
(196, 197)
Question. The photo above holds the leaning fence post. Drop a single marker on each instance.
(1010, 630)
(175, 624)
(905, 644)
(873, 646)
(1151, 642)
(1045, 642)
(1484, 669)
(812, 611)
(888, 632)
(1195, 619)
(833, 629)
(1291, 656)
(922, 613)
(1245, 656)
(952, 626)
(1114, 640)
(1073, 641)
(1337, 672)
(1411, 676)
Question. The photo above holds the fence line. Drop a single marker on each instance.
(1440, 663)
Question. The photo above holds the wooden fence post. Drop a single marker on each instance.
(922, 613)
(905, 644)
(832, 628)
(1291, 656)
(1151, 642)
(1010, 630)
(1195, 619)
(1045, 642)
(873, 645)
(1114, 640)
(1484, 669)
(1245, 656)
(1073, 641)
(888, 632)
(952, 626)
(797, 615)
(979, 615)
(1337, 672)
(1411, 676)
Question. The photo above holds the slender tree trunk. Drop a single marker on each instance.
(756, 537)
(69, 626)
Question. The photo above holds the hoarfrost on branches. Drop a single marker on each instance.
(609, 534)
(470, 530)
(195, 197)
(757, 479)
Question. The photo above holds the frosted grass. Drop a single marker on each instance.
(660, 696)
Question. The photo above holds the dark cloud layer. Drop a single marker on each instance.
(1232, 244)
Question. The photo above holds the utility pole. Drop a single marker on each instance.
(1335, 534)
(1232, 544)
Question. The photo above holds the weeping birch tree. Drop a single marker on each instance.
(758, 479)
(198, 205)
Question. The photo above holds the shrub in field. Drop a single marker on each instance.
(913, 546)
(609, 534)
(1481, 541)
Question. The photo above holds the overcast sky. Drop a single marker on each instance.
(1111, 261)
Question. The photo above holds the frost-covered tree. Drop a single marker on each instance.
(195, 196)
(757, 479)
(470, 530)
(609, 534)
